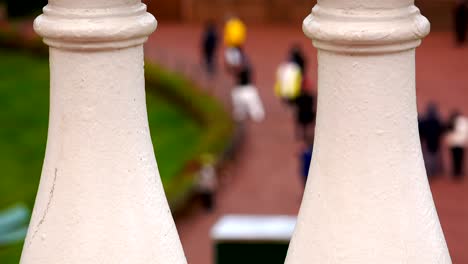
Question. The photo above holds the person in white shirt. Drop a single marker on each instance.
(457, 139)
(207, 182)
(246, 101)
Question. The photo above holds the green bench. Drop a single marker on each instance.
(252, 239)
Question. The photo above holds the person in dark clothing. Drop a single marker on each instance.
(431, 131)
(297, 56)
(305, 114)
(239, 66)
(243, 71)
(461, 21)
(458, 155)
(305, 159)
(209, 47)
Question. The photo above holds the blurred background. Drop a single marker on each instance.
(231, 96)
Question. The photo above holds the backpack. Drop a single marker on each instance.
(288, 81)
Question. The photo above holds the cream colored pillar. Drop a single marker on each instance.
(100, 198)
(367, 200)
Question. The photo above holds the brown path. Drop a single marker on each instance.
(264, 179)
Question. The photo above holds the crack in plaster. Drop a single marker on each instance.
(46, 211)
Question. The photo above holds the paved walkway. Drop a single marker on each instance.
(264, 180)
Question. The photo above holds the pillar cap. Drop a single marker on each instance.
(366, 30)
(95, 29)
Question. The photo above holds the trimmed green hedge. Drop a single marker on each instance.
(25, 102)
(216, 122)
(209, 114)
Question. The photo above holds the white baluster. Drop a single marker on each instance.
(100, 198)
(368, 199)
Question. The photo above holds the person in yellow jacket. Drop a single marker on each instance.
(288, 81)
(235, 32)
(234, 38)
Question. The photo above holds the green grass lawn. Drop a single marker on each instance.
(24, 103)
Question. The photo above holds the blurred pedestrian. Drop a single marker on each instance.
(234, 38)
(293, 87)
(297, 56)
(457, 138)
(207, 182)
(289, 77)
(305, 114)
(245, 99)
(305, 159)
(431, 131)
(233, 59)
(209, 47)
(235, 32)
(461, 20)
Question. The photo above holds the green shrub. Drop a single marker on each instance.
(25, 102)
(216, 122)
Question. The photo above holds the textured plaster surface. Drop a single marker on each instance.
(100, 198)
(366, 30)
(365, 4)
(95, 28)
(85, 4)
(368, 199)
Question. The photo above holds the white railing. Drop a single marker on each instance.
(101, 200)
(367, 199)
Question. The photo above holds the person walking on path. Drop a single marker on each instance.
(305, 160)
(207, 182)
(209, 47)
(294, 88)
(234, 39)
(457, 138)
(305, 100)
(305, 114)
(245, 99)
(235, 32)
(461, 21)
(289, 78)
(297, 56)
(431, 132)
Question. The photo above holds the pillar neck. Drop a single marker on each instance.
(93, 3)
(89, 25)
(365, 4)
(368, 28)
